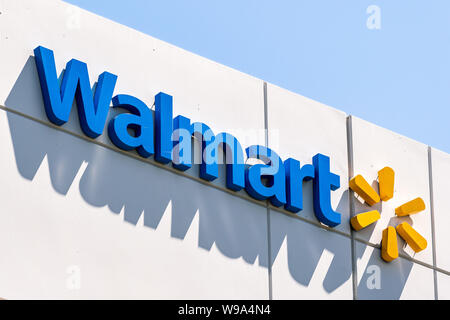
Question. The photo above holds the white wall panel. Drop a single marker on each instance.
(373, 149)
(300, 128)
(308, 262)
(132, 229)
(399, 279)
(443, 286)
(440, 163)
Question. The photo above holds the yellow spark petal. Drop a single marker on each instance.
(412, 237)
(389, 248)
(410, 207)
(365, 219)
(364, 190)
(386, 183)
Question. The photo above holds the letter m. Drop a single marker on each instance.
(92, 108)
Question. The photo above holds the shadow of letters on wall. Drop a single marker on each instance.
(142, 191)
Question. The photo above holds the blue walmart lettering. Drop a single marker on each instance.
(168, 139)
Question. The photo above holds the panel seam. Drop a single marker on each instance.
(269, 238)
(351, 205)
(433, 238)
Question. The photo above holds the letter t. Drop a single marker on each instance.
(324, 183)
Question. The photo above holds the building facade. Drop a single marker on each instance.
(81, 218)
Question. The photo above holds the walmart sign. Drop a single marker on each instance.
(168, 139)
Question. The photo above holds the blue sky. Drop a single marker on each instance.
(397, 76)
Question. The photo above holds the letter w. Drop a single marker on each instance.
(92, 108)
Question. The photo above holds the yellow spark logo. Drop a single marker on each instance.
(389, 247)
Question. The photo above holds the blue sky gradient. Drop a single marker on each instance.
(397, 76)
